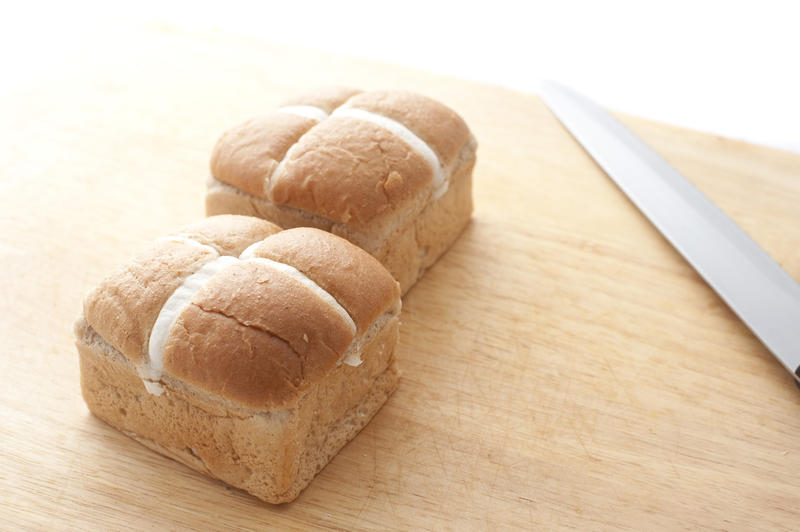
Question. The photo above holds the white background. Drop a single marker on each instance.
(731, 68)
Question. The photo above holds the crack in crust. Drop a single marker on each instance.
(249, 325)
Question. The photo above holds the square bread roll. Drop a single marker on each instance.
(248, 353)
(390, 171)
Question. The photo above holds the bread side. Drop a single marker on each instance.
(273, 454)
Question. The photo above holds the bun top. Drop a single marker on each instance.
(239, 308)
(345, 155)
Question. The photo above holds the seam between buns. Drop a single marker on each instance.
(281, 163)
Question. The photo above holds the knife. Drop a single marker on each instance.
(754, 286)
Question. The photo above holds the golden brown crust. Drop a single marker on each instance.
(326, 98)
(350, 171)
(438, 125)
(246, 155)
(352, 276)
(218, 354)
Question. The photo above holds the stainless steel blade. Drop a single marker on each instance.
(758, 290)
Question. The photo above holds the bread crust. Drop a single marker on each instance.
(252, 333)
(349, 171)
(256, 337)
(362, 178)
(325, 261)
(439, 126)
(250, 151)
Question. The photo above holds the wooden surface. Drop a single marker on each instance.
(563, 367)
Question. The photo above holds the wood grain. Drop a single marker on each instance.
(563, 366)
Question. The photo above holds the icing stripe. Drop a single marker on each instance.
(306, 111)
(169, 313)
(440, 183)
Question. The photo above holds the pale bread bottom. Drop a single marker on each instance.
(272, 454)
(407, 251)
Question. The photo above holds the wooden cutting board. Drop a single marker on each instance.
(563, 366)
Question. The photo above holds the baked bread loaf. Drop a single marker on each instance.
(390, 171)
(248, 353)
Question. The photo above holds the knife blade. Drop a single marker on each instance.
(751, 283)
